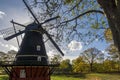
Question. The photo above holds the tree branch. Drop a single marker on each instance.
(90, 11)
(74, 6)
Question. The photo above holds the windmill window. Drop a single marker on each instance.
(22, 73)
(15, 59)
(39, 58)
(38, 47)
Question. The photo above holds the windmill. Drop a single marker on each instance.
(31, 61)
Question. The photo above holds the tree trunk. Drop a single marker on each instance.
(91, 67)
(112, 11)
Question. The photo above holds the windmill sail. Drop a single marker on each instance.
(48, 35)
(54, 43)
(30, 10)
(10, 31)
(50, 48)
(15, 35)
(31, 58)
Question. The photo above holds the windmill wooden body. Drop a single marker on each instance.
(31, 61)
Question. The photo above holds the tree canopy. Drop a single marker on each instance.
(83, 20)
(80, 19)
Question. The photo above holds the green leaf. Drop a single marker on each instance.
(68, 1)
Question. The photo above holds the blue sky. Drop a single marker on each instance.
(15, 9)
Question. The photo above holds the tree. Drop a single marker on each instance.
(2, 54)
(92, 55)
(56, 59)
(79, 65)
(113, 51)
(76, 14)
(73, 16)
(9, 56)
(65, 66)
(112, 11)
(108, 35)
(110, 65)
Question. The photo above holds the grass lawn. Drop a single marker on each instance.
(92, 76)
(3, 77)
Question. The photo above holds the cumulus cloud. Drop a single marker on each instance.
(11, 47)
(74, 45)
(2, 14)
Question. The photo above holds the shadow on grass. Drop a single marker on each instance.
(77, 75)
(4, 78)
(74, 75)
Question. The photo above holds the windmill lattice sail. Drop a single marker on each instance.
(10, 31)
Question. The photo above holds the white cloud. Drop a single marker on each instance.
(70, 57)
(51, 53)
(2, 14)
(1, 36)
(8, 46)
(13, 47)
(104, 52)
(74, 45)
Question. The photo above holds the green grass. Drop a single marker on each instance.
(104, 76)
(92, 76)
(3, 77)
(63, 77)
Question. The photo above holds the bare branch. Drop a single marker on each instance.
(90, 11)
